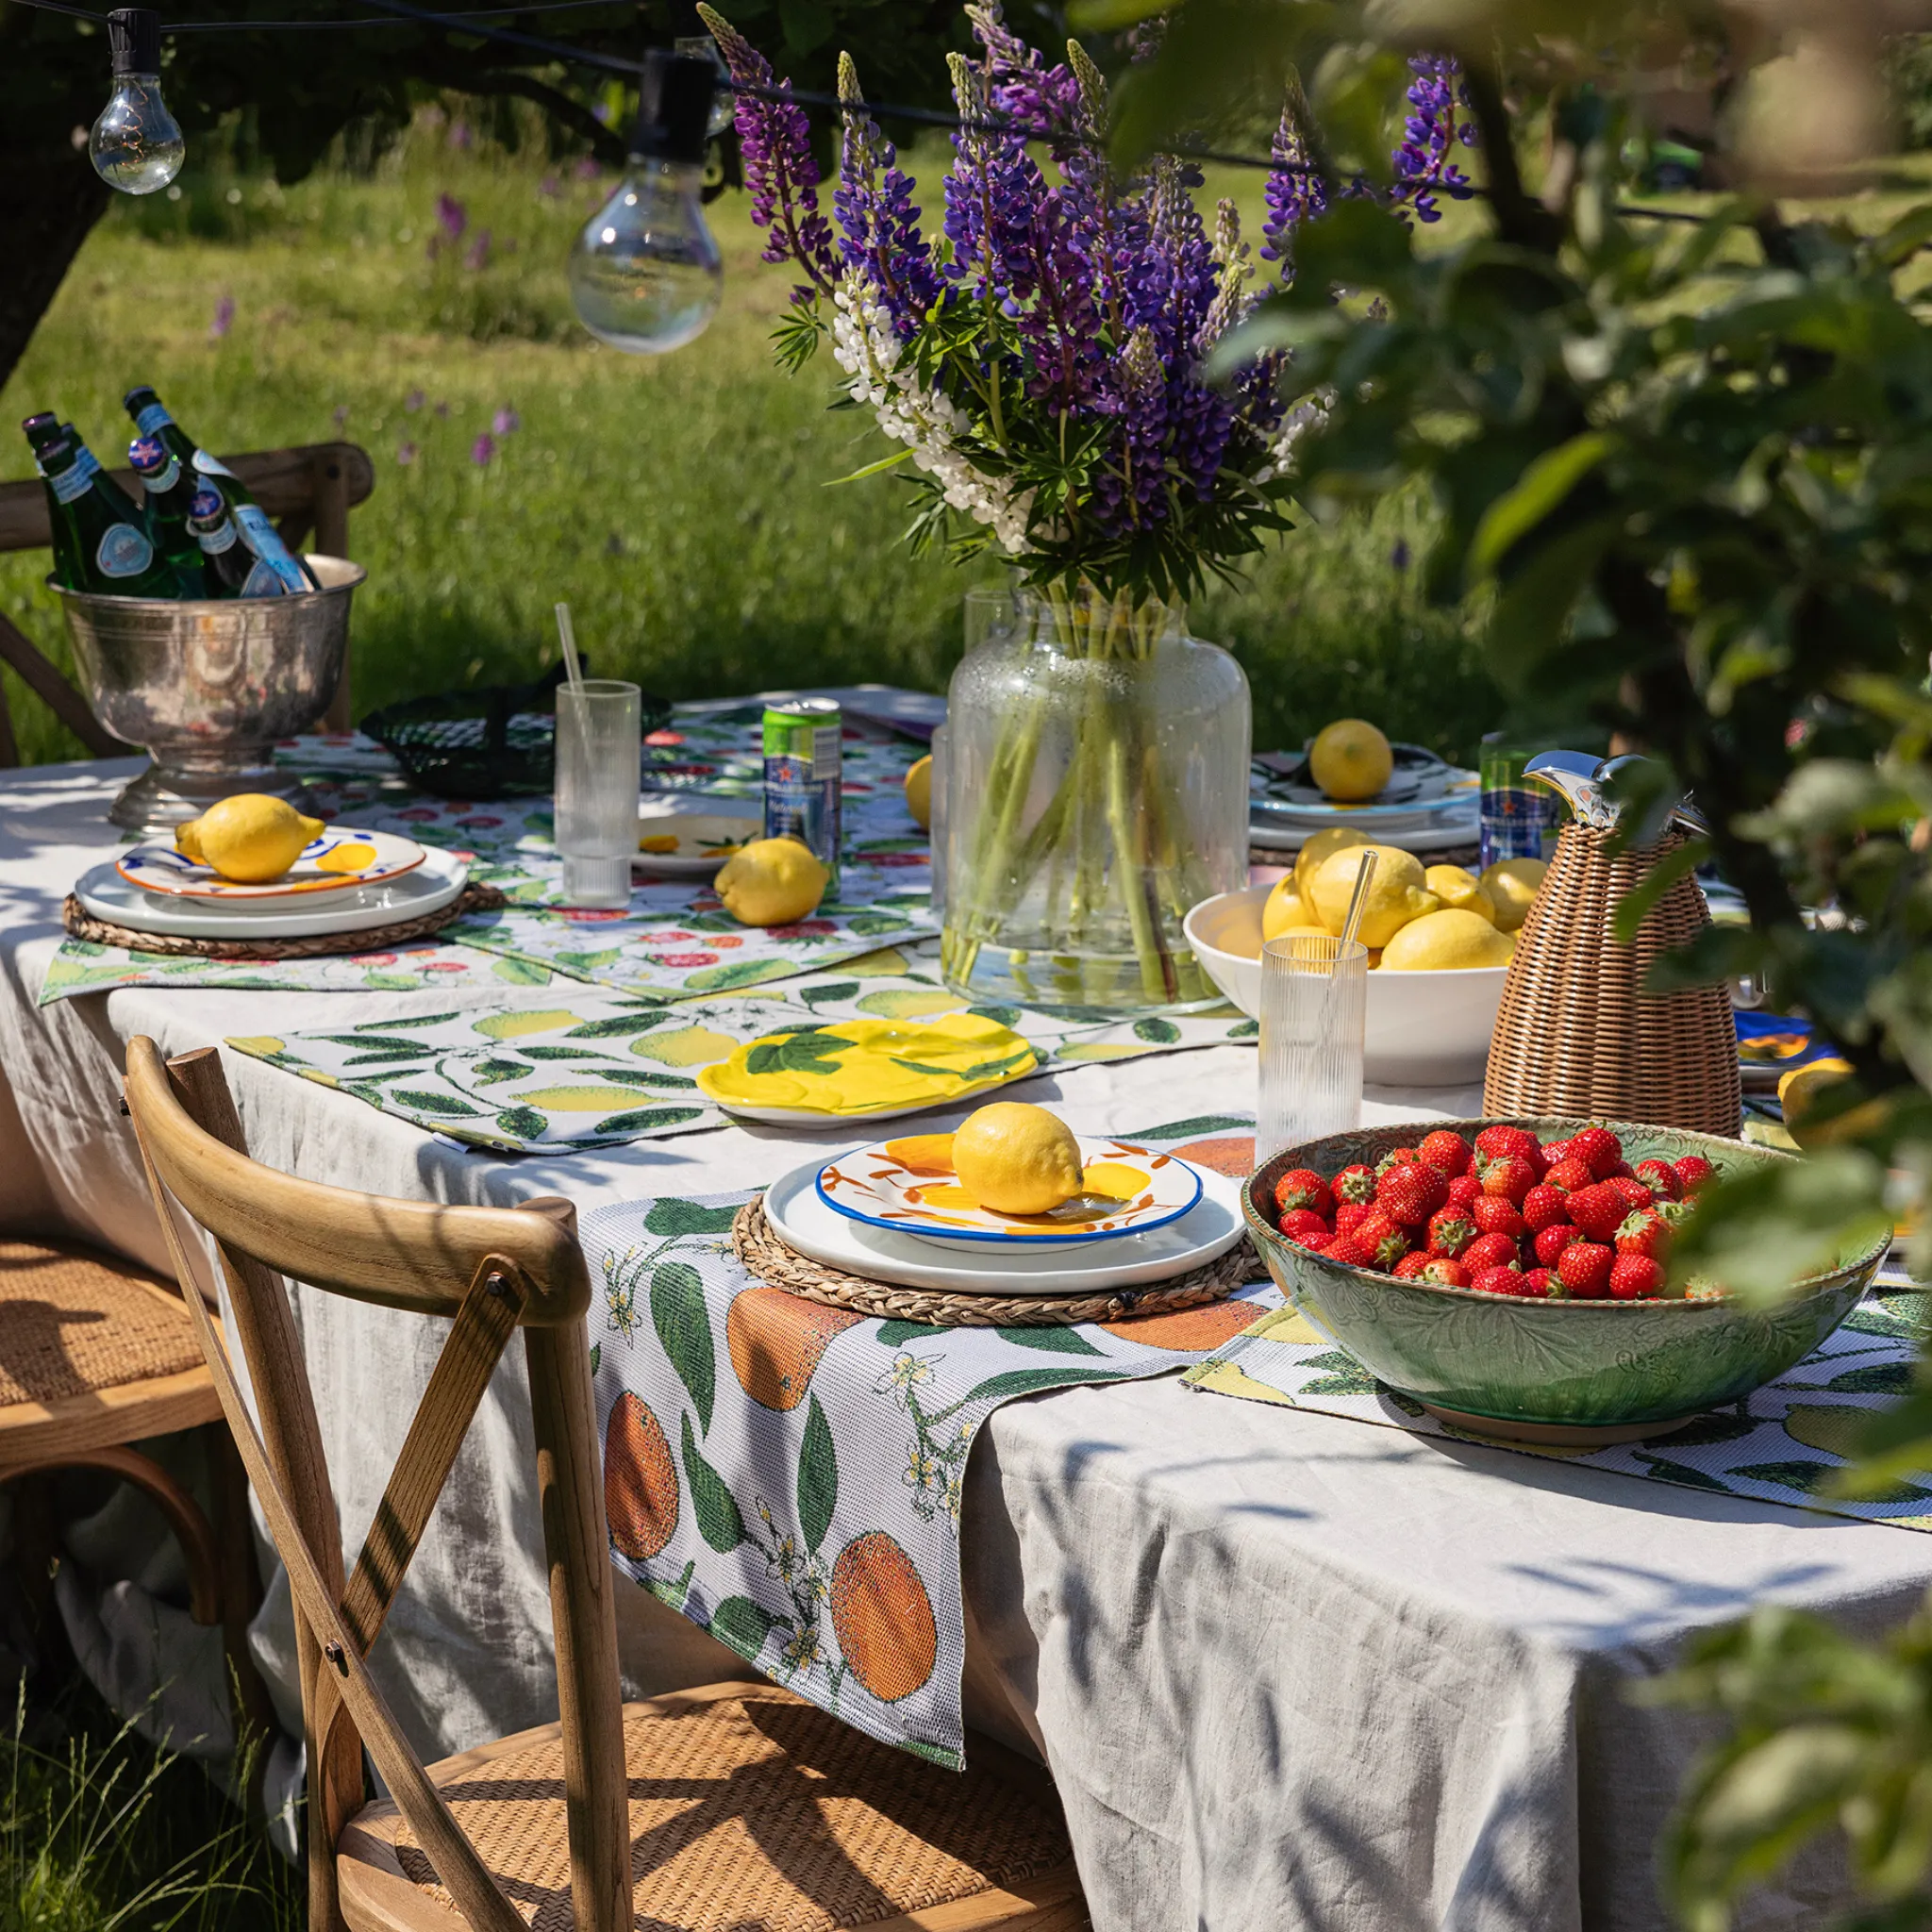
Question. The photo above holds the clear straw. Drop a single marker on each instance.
(1364, 878)
(574, 669)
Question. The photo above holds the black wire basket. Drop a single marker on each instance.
(494, 740)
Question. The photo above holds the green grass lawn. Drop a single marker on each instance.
(680, 504)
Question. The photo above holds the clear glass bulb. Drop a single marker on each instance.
(136, 146)
(723, 107)
(645, 274)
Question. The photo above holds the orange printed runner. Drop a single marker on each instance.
(788, 1475)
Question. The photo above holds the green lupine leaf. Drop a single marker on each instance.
(818, 1477)
(643, 1120)
(1013, 1382)
(442, 1105)
(711, 1501)
(742, 1625)
(523, 1122)
(683, 1326)
(898, 1334)
(1160, 1032)
(1055, 1341)
(669, 1215)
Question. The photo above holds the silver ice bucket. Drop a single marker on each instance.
(207, 686)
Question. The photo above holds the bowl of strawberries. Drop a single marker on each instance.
(1512, 1276)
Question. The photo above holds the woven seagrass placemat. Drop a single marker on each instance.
(757, 1245)
(82, 925)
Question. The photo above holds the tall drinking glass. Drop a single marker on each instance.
(1314, 1000)
(599, 749)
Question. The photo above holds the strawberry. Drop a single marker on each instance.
(1447, 1153)
(1494, 1215)
(1503, 1280)
(1623, 1171)
(1598, 1149)
(1302, 1186)
(1644, 1233)
(1584, 1269)
(1464, 1188)
(1693, 1172)
(1508, 1174)
(1396, 1156)
(1383, 1239)
(1357, 1183)
(1544, 1207)
(1350, 1249)
(1444, 1271)
(1412, 1264)
(1496, 1144)
(1535, 1281)
(1351, 1214)
(1303, 1224)
(1451, 1230)
(1661, 1177)
(1570, 1175)
(1633, 1191)
(1551, 1241)
(1410, 1195)
(1635, 1277)
(1488, 1251)
(1554, 1152)
(1598, 1210)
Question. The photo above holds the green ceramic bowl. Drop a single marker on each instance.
(1556, 1372)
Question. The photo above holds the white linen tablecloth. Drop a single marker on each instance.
(1289, 1671)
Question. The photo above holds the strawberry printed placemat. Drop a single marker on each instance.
(788, 1476)
(593, 1069)
(1785, 1444)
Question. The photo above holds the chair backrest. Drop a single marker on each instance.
(310, 490)
(491, 1271)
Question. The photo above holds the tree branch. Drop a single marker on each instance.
(1520, 218)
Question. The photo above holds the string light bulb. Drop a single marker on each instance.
(646, 273)
(136, 146)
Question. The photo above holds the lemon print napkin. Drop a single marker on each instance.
(859, 1066)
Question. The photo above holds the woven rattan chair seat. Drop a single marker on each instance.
(748, 1807)
(73, 1324)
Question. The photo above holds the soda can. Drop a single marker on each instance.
(803, 769)
(1515, 810)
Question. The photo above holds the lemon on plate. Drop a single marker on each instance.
(1350, 761)
(1799, 1090)
(1450, 941)
(1397, 895)
(1513, 883)
(771, 882)
(919, 794)
(1461, 889)
(1017, 1158)
(250, 838)
(1314, 850)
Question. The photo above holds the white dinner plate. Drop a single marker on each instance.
(337, 859)
(1208, 1229)
(428, 889)
(702, 840)
(1272, 835)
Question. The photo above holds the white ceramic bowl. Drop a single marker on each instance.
(1422, 1030)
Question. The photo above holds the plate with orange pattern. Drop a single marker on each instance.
(909, 1187)
(333, 860)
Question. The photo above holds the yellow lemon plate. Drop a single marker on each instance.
(909, 1187)
(692, 844)
(335, 859)
(866, 1070)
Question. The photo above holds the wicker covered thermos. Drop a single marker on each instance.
(1576, 1035)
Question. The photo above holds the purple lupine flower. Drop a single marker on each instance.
(406, 454)
(224, 319)
(412, 402)
(460, 134)
(1294, 193)
(775, 143)
(506, 421)
(874, 202)
(451, 216)
(992, 192)
(549, 188)
(478, 253)
(482, 450)
(1020, 85)
(1421, 162)
(587, 168)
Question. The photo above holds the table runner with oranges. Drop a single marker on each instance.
(788, 1476)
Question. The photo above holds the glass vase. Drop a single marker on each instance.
(1096, 788)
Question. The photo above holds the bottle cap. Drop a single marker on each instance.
(134, 38)
(148, 455)
(40, 420)
(206, 505)
(674, 107)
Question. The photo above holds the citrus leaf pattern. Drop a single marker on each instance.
(716, 1509)
(744, 1625)
(818, 1476)
(678, 1314)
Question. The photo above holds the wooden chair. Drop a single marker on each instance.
(95, 1355)
(310, 490)
(735, 1806)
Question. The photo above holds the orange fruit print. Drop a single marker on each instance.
(1206, 1327)
(641, 1498)
(883, 1617)
(775, 1340)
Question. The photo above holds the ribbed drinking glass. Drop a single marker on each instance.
(599, 750)
(1314, 1000)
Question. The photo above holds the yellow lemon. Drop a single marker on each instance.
(1284, 907)
(1350, 761)
(1798, 1090)
(1016, 1158)
(1397, 895)
(919, 794)
(1513, 884)
(771, 882)
(1461, 889)
(1336, 839)
(250, 838)
(1450, 941)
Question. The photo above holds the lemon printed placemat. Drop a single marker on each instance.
(788, 1476)
(595, 1070)
(1785, 1444)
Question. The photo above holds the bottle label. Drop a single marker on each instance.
(263, 581)
(123, 552)
(69, 484)
(261, 537)
(152, 420)
(163, 480)
(218, 539)
(213, 466)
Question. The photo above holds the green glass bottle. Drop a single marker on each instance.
(251, 520)
(169, 490)
(44, 436)
(113, 556)
(230, 568)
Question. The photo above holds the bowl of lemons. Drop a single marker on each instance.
(1439, 941)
